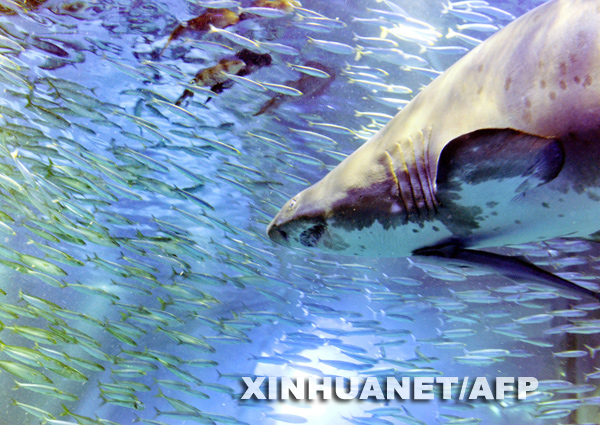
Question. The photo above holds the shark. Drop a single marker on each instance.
(501, 149)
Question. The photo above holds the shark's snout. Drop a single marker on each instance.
(299, 233)
(277, 234)
(278, 229)
(300, 223)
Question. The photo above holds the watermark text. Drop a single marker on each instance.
(390, 388)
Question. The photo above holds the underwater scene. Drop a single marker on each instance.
(146, 145)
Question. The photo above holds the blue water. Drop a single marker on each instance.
(79, 180)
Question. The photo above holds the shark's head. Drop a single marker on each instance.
(359, 208)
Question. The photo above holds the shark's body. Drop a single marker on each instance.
(503, 148)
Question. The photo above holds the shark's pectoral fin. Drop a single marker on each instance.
(515, 160)
(517, 269)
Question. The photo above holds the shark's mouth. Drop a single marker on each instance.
(311, 236)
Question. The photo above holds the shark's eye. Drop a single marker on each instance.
(292, 203)
(311, 236)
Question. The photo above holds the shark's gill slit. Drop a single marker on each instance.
(424, 177)
(390, 166)
(428, 171)
(413, 186)
(398, 181)
(418, 161)
(410, 190)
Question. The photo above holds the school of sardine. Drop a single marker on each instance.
(145, 145)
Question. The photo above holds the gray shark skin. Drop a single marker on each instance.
(501, 149)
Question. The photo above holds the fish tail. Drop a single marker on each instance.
(359, 53)
(49, 168)
(163, 303)
(174, 35)
(266, 107)
(65, 411)
(384, 32)
(592, 350)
